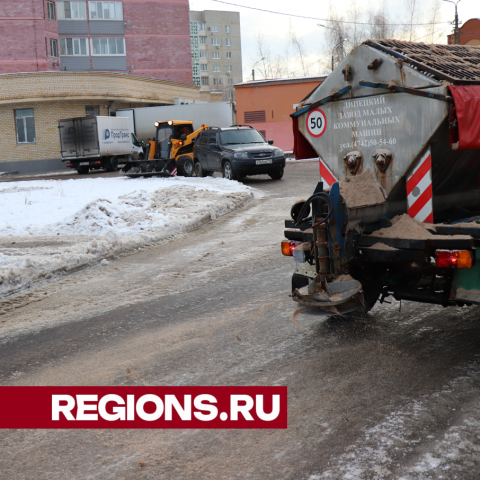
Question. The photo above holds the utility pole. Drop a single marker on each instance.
(456, 35)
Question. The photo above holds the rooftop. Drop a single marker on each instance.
(274, 81)
(453, 63)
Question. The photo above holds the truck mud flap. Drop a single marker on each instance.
(338, 297)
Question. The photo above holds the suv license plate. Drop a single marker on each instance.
(263, 162)
(84, 163)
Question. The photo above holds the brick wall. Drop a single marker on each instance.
(158, 39)
(24, 35)
(47, 115)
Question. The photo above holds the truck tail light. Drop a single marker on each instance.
(288, 246)
(453, 259)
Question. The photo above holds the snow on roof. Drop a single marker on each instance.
(281, 80)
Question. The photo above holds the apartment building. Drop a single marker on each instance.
(216, 51)
(144, 38)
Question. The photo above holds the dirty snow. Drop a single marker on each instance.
(48, 227)
(407, 433)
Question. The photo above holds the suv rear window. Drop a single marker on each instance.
(233, 137)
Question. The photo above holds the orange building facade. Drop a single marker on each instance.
(469, 33)
(267, 104)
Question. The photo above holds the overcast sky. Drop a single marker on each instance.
(275, 27)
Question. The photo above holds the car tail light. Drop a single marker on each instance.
(453, 259)
(69, 164)
(288, 246)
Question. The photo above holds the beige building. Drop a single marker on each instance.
(31, 104)
(216, 51)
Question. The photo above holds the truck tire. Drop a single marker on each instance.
(185, 166)
(277, 175)
(299, 281)
(228, 171)
(83, 170)
(112, 165)
(199, 171)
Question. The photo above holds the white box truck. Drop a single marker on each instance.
(98, 142)
(142, 120)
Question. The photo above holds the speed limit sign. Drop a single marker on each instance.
(316, 123)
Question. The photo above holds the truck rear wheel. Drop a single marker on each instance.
(83, 170)
(112, 165)
(185, 167)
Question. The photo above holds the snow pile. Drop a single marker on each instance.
(54, 226)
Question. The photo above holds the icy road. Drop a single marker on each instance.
(394, 395)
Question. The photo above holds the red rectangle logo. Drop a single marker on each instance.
(143, 407)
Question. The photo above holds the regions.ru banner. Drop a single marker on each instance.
(143, 407)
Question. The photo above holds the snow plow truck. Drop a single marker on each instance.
(396, 128)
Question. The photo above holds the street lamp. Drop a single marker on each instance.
(339, 43)
(457, 32)
(253, 67)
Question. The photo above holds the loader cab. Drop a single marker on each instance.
(168, 130)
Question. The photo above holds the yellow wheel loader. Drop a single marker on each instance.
(170, 154)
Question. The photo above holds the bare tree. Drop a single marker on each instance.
(435, 14)
(270, 66)
(300, 49)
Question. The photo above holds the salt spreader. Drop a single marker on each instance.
(396, 128)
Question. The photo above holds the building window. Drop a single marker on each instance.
(53, 48)
(217, 81)
(229, 55)
(203, 40)
(203, 54)
(229, 68)
(205, 81)
(108, 46)
(73, 46)
(230, 81)
(216, 55)
(201, 26)
(92, 110)
(25, 125)
(216, 41)
(105, 10)
(204, 67)
(51, 10)
(216, 68)
(214, 28)
(72, 10)
(227, 28)
(228, 42)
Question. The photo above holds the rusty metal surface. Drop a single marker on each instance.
(455, 63)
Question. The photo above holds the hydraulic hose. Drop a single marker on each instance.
(316, 196)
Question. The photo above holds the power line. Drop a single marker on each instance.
(326, 19)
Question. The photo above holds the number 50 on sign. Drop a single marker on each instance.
(316, 123)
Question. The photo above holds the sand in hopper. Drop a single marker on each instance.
(404, 226)
(361, 190)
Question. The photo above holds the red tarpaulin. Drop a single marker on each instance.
(467, 112)
(301, 147)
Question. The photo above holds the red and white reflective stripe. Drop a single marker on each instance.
(419, 190)
(174, 171)
(328, 177)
